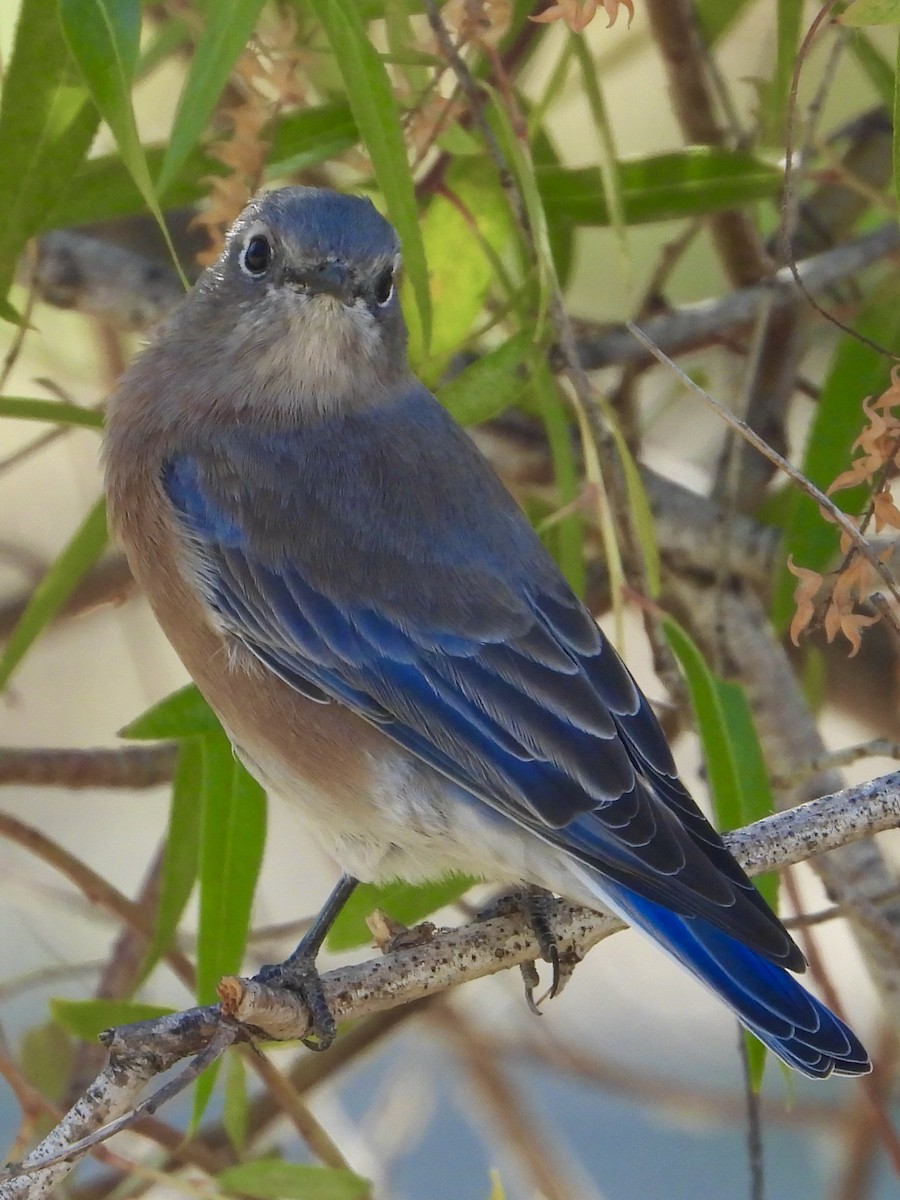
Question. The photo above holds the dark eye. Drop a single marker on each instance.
(384, 286)
(257, 255)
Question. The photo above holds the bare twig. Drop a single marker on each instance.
(793, 473)
(123, 767)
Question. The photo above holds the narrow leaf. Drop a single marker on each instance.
(226, 31)
(182, 714)
(661, 187)
(755, 792)
(465, 234)
(718, 750)
(405, 902)
(103, 188)
(774, 92)
(638, 503)
(182, 854)
(46, 1055)
(23, 408)
(104, 37)
(492, 383)
(304, 138)
(236, 1104)
(716, 18)
(47, 123)
(374, 108)
(58, 583)
(233, 824)
(538, 247)
(871, 12)
(879, 70)
(87, 1019)
(564, 538)
(231, 844)
(272, 1179)
(856, 371)
(737, 777)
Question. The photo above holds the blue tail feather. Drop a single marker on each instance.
(765, 998)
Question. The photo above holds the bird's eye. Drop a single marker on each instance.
(384, 286)
(257, 255)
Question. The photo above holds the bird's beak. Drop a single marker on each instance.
(326, 279)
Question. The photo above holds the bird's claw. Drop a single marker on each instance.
(301, 976)
(534, 904)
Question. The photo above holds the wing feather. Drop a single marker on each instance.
(466, 647)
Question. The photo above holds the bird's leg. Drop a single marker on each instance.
(299, 973)
(534, 904)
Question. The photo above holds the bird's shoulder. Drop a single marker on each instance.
(395, 481)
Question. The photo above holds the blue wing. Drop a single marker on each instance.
(375, 560)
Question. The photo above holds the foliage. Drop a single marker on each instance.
(500, 217)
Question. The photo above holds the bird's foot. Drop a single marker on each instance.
(300, 974)
(534, 904)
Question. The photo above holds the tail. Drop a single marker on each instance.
(764, 997)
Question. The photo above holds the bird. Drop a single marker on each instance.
(382, 634)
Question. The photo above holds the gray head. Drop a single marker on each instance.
(305, 293)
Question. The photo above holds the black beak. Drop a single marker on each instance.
(326, 279)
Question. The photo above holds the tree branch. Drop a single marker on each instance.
(251, 1011)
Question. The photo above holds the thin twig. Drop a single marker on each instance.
(788, 204)
(793, 473)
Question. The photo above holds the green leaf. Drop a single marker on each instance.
(104, 189)
(227, 28)
(302, 139)
(272, 1179)
(406, 902)
(773, 93)
(539, 247)
(47, 123)
(608, 167)
(182, 854)
(755, 794)
(233, 833)
(561, 231)
(638, 503)
(10, 314)
(104, 38)
(87, 1019)
(661, 187)
(871, 12)
(232, 836)
(182, 714)
(61, 579)
(879, 70)
(895, 152)
(23, 408)
(374, 108)
(738, 781)
(236, 1106)
(716, 18)
(465, 233)
(856, 371)
(712, 726)
(564, 538)
(47, 1056)
(492, 383)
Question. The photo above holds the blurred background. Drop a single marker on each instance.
(631, 1084)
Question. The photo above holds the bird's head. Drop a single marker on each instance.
(306, 290)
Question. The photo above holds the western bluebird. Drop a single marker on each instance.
(384, 637)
